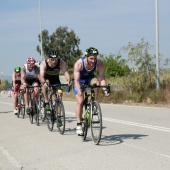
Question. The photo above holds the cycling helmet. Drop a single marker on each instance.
(30, 60)
(91, 51)
(52, 54)
(17, 69)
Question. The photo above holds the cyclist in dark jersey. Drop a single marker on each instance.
(50, 71)
(84, 69)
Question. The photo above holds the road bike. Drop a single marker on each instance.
(92, 114)
(40, 114)
(56, 115)
(20, 104)
(33, 102)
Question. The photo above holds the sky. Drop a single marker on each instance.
(107, 25)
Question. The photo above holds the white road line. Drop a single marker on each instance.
(139, 148)
(138, 124)
(10, 158)
(132, 123)
(6, 103)
(164, 129)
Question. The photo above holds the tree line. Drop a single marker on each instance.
(136, 74)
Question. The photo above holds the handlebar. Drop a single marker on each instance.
(60, 85)
(84, 86)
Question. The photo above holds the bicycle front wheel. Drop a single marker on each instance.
(50, 118)
(18, 106)
(96, 122)
(33, 113)
(60, 116)
(84, 127)
(22, 106)
(36, 111)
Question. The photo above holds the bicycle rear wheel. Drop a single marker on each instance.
(50, 118)
(96, 122)
(60, 115)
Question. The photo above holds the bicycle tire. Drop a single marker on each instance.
(84, 127)
(42, 113)
(31, 115)
(36, 111)
(96, 122)
(60, 119)
(22, 106)
(18, 105)
(50, 118)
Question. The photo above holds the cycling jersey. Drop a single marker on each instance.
(85, 75)
(31, 76)
(17, 83)
(52, 74)
(18, 80)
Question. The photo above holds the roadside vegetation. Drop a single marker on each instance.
(131, 72)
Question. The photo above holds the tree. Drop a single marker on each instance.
(64, 41)
(115, 66)
(142, 64)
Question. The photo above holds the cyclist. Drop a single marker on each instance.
(84, 69)
(30, 76)
(16, 83)
(49, 73)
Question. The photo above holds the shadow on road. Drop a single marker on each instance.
(118, 139)
(6, 112)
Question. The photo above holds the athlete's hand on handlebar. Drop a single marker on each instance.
(45, 84)
(106, 94)
(80, 93)
(69, 83)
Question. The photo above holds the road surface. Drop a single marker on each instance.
(133, 138)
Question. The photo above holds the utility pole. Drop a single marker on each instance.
(157, 47)
(41, 30)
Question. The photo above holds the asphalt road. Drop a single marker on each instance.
(133, 138)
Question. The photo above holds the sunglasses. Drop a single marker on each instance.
(53, 59)
(31, 64)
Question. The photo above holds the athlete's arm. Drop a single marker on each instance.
(63, 67)
(23, 74)
(100, 68)
(77, 69)
(42, 72)
(13, 79)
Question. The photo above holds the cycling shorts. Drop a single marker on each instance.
(85, 81)
(16, 88)
(31, 81)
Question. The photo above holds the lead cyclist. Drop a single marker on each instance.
(84, 69)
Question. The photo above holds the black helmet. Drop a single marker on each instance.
(17, 69)
(91, 51)
(52, 54)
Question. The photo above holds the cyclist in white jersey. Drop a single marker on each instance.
(30, 76)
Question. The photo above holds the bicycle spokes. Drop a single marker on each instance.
(96, 123)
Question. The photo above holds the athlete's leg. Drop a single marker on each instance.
(96, 90)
